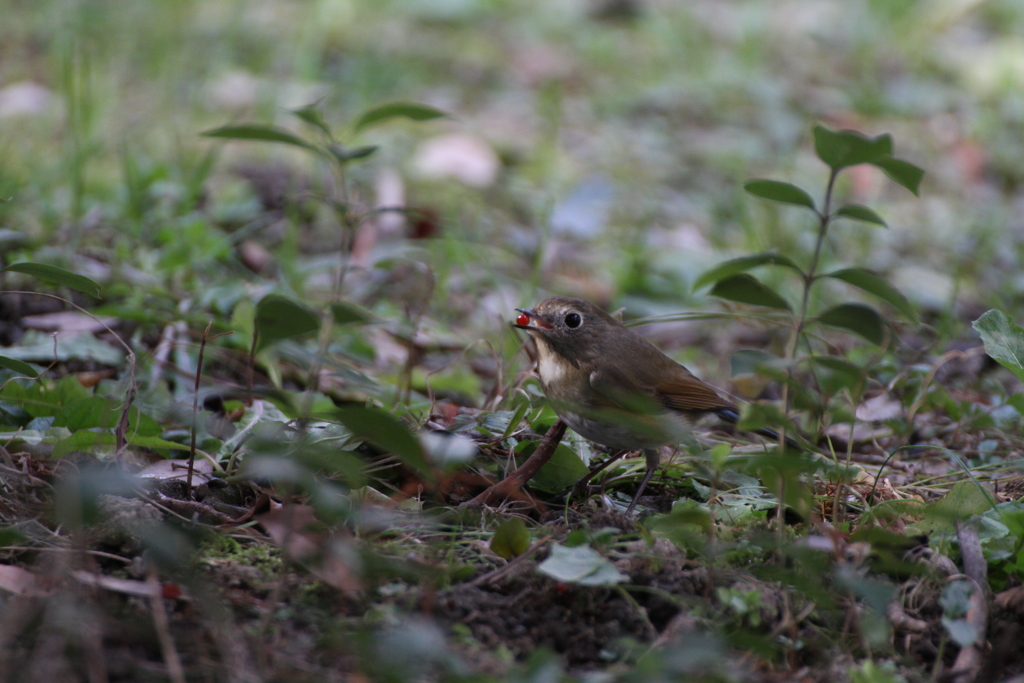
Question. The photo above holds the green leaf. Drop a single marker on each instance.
(311, 115)
(385, 431)
(1017, 402)
(262, 133)
(564, 469)
(155, 442)
(741, 265)
(956, 599)
(842, 148)
(1014, 520)
(277, 469)
(141, 425)
(100, 412)
(84, 440)
(345, 313)
(243, 317)
(18, 367)
(749, 361)
(961, 631)
(347, 154)
(40, 400)
(839, 374)
(903, 172)
(859, 212)
(778, 191)
(755, 416)
(94, 412)
(278, 317)
(747, 289)
(11, 536)
(408, 110)
(581, 565)
(1003, 339)
(511, 538)
(37, 347)
(964, 500)
(856, 318)
(517, 417)
(874, 283)
(448, 451)
(57, 276)
(687, 524)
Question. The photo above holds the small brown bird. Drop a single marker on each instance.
(614, 387)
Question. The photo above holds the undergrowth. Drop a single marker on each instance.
(248, 397)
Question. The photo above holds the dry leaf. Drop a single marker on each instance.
(465, 158)
(67, 322)
(305, 539)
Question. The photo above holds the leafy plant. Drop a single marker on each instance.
(745, 605)
(280, 317)
(277, 317)
(336, 151)
(732, 281)
(1003, 339)
(581, 565)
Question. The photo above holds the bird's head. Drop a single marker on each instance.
(574, 329)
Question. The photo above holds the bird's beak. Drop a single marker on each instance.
(529, 320)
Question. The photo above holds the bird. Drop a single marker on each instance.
(613, 386)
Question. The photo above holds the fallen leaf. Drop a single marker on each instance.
(22, 582)
(67, 322)
(459, 156)
(305, 539)
(879, 408)
(139, 589)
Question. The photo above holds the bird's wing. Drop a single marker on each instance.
(686, 393)
(677, 390)
(616, 389)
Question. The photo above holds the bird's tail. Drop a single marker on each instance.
(732, 416)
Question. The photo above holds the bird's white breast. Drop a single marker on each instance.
(550, 367)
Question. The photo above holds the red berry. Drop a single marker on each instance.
(523, 319)
(171, 590)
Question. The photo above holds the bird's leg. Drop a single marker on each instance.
(653, 460)
(582, 483)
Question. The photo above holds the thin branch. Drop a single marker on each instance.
(195, 410)
(515, 481)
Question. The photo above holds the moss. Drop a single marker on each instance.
(222, 551)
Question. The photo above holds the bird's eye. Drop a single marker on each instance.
(573, 320)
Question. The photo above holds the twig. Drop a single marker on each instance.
(902, 621)
(263, 655)
(975, 564)
(493, 576)
(162, 352)
(515, 481)
(189, 509)
(195, 410)
(172, 660)
(251, 365)
(969, 660)
(883, 460)
(121, 431)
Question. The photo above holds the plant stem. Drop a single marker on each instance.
(809, 277)
(824, 218)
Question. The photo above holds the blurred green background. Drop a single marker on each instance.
(595, 148)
